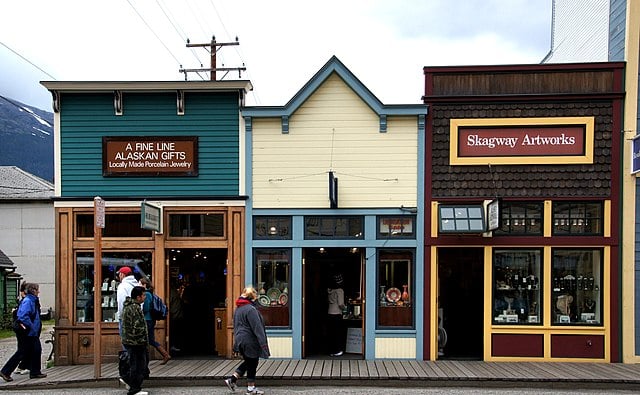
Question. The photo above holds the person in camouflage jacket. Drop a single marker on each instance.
(135, 340)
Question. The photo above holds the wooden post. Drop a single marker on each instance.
(98, 216)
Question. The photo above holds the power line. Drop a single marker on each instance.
(27, 60)
(179, 31)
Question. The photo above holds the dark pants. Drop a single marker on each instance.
(21, 354)
(335, 333)
(137, 367)
(248, 366)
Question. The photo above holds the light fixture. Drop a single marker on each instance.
(353, 250)
(273, 230)
(322, 250)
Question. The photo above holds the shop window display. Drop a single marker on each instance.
(577, 218)
(272, 228)
(517, 290)
(401, 227)
(273, 270)
(334, 227)
(116, 225)
(395, 284)
(140, 262)
(577, 287)
(520, 218)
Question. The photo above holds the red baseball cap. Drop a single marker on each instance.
(126, 270)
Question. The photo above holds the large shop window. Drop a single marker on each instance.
(345, 227)
(517, 290)
(396, 289)
(115, 225)
(577, 286)
(139, 262)
(273, 271)
(520, 218)
(196, 225)
(577, 218)
(272, 228)
(400, 227)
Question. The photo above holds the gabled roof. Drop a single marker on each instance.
(334, 65)
(5, 262)
(17, 184)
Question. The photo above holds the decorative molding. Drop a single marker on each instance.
(117, 102)
(180, 101)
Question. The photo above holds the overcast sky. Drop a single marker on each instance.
(283, 43)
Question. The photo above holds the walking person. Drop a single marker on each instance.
(23, 367)
(31, 349)
(250, 340)
(151, 323)
(127, 282)
(135, 340)
(335, 327)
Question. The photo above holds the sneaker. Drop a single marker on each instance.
(230, 382)
(255, 391)
(142, 393)
(339, 353)
(37, 376)
(6, 377)
(21, 371)
(124, 383)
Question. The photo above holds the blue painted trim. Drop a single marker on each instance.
(383, 123)
(420, 285)
(408, 333)
(334, 65)
(285, 124)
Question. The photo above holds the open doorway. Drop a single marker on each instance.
(197, 287)
(461, 299)
(319, 268)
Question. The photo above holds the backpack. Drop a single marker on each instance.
(157, 309)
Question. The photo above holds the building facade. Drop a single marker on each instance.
(167, 161)
(522, 209)
(334, 181)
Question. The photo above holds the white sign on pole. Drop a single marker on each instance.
(150, 217)
(98, 211)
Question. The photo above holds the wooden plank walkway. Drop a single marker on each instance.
(274, 372)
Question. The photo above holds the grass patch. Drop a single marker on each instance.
(7, 333)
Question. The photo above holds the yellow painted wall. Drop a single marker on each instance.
(335, 130)
(393, 347)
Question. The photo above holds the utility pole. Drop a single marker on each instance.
(214, 47)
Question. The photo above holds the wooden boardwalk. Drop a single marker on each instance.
(274, 372)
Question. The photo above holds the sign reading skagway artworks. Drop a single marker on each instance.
(521, 141)
(150, 156)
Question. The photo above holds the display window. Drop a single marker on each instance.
(396, 289)
(139, 262)
(517, 287)
(273, 271)
(269, 228)
(577, 286)
(401, 227)
(344, 227)
(196, 225)
(116, 225)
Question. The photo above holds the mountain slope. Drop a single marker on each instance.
(26, 138)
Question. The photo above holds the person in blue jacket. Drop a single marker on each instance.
(250, 340)
(29, 321)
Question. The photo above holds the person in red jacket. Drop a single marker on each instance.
(250, 340)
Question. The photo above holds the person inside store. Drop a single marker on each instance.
(335, 325)
(135, 339)
(250, 340)
(28, 322)
(151, 323)
(127, 282)
(176, 315)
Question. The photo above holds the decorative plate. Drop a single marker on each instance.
(273, 293)
(264, 300)
(283, 299)
(393, 294)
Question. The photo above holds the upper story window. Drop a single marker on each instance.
(196, 225)
(265, 228)
(520, 218)
(343, 227)
(577, 218)
(461, 218)
(400, 227)
(115, 225)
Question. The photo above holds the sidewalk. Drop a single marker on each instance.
(379, 373)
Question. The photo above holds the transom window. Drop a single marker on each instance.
(196, 225)
(520, 218)
(272, 228)
(577, 218)
(400, 227)
(461, 218)
(344, 227)
(115, 225)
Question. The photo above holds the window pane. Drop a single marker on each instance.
(516, 287)
(461, 218)
(115, 225)
(396, 227)
(272, 228)
(520, 218)
(334, 228)
(395, 274)
(273, 270)
(196, 225)
(140, 262)
(577, 285)
(577, 218)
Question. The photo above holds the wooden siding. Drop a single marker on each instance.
(335, 130)
(281, 347)
(617, 30)
(86, 118)
(392, 347)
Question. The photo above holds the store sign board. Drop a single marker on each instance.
(98, 208)
(396, 225)
(150, 217)
(493, 215)
(635, 154)
(556, 140)
(150, 156)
